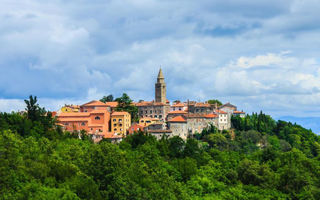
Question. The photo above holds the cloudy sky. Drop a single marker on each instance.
(259, 55)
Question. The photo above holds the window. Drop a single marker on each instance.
(155, 116)
(115, 129)
(146, 112)
(142, 121)
(114, 125)
(120, 129)
(120, 125)
(66, 124)
(150, 111)
(114, 120)
(97, 118)
(160, 116)
(120, 120)
(83, 124)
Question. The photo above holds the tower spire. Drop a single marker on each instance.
(160, 88)
(160, 75)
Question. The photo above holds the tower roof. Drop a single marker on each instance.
(160, 75)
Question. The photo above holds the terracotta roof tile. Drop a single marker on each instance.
(178, 105)
(73, 119)
(238, 112)
(119, 113)
(220, 112)
(178, 119)
(94, 103)
(74, 114)
(211, 116)
(177, 112)
(112, 104)
(202, 105)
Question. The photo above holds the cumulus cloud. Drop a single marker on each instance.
(257, 54)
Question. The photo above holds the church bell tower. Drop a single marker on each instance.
(160, 89)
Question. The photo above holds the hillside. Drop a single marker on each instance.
(259, 159)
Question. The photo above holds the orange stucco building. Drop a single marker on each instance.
(94, 117)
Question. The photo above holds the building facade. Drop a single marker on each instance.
(160, 107)
(178, 126)
(120, 122)
(160, 89)
(95, 122)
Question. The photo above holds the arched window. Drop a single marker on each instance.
(97, 118)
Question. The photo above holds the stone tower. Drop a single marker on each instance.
(160, 89)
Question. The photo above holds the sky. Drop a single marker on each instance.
(258, 55)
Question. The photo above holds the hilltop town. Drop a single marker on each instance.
(158, 117)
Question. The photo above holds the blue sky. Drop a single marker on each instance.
(259, 55)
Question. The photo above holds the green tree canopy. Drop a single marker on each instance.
(126, 104)
(108, 98)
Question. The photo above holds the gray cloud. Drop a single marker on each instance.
(232, 50)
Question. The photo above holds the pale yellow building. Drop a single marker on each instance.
(70, 108)
(120, 122)
(146, 121)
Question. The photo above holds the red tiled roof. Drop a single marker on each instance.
(119, 113)
(74, 114)
(220, 112)
(54, 113)
(73, 119)
(202, 105)
(238, 112)
(211, 116)
(178, 119)
(178, 105)
(112, 104)
(94, 103)
(177, 112)
(134, 128)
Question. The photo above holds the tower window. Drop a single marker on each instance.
(97, 118)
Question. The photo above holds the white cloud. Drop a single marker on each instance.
(257, 54)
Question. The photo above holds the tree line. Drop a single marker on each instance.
(259, 159)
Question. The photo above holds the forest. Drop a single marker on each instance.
(260, 158)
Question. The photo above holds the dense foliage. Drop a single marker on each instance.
(260, 159)
(125, 103)
(215, 102)
(108, 98)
